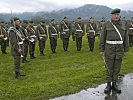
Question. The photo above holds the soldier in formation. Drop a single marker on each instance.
(3, 37)
(91, 32)
(32, 41)
(79, 33)
(53, 35)
(41, 36)
(16, 41)
(65, 32)
(130, 33)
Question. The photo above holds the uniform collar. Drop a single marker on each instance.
(116, 22)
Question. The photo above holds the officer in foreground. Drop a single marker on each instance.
(113, 46)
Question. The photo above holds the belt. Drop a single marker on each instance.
(131, 28)
(79, 30)
(66, 30)
(53, 34)
(114, 42)
(91, 31)
(20, 42)
(32, 36)
(43, 35)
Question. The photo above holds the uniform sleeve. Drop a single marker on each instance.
(102, 39)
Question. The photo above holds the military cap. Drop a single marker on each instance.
(79, 18)
(103, 19)
(30, 21)
(42, 20)
(114, 11)
(91, 17)
(65, 17)
(25, 21)
(52, 20)
(14, 19)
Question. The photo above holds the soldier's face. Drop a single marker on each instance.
(17, 23)
(66, 20)
(2, 24)
(116, 16)
(91, 20)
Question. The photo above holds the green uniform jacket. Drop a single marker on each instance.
(53, 31)
(79, 26)
(114, 51)
(130, 28)
(14, 39)
(41, 32)
(89, 29)
(65, 29)
(31, 32)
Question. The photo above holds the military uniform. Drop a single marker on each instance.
(26, 40)
(15, 37)
(91, 32)
(42, 36)
(65, 33)
(79, 28)
(32, 34)
(100, 27)
(114, 44)
(3, 38)
(53, 35)
(130, 31)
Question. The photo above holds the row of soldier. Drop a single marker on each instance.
(23, 35)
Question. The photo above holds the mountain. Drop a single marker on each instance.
(86, 11)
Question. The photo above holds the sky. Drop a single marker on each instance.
(19, 6)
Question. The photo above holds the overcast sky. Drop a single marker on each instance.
(49, 5)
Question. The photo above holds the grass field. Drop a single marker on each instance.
(55, 74)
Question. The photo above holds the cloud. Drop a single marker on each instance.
(49, 5)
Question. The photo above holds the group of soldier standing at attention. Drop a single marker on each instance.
(22, 36)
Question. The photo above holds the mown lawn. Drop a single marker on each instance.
(55, 74)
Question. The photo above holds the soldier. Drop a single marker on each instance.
(26, 40)
(91, 32)
(3, 37)
(130, 29)
(42, 36)
(65, 33)
(53, 35)
(32, 34)
(79, 28)
(16, 40)
(113, 45)
(100, 26)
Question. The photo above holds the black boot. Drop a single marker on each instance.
(32, 56)
(18, 75)
(108, 88)
(115, 87)
(41, 53)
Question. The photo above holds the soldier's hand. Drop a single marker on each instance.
(125, 53)
(102, 54)
(19, 50)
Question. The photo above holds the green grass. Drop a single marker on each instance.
(55, 74)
